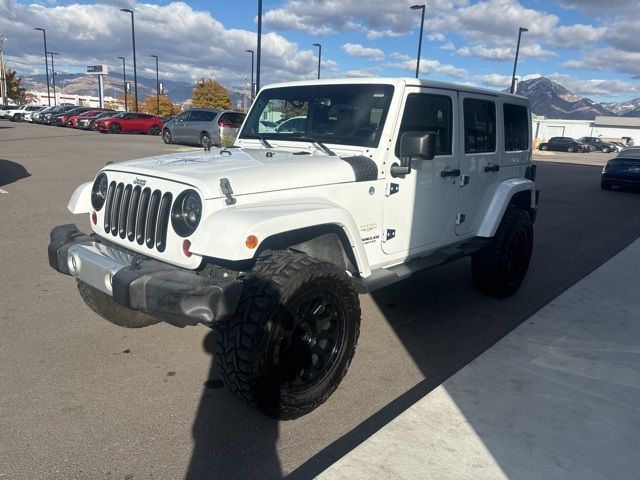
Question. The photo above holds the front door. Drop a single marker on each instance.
(178, 127)
(419, 209)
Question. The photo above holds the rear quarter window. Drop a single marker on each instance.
(516, 127)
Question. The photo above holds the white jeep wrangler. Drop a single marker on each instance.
(271, 241)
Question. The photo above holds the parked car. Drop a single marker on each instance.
(599, 145)
(28, 116)
(130, 123)
(37, 117)
(622, 171)
(50, 118)
(72, 120)
(18, 115)
(202, 126)
(88, 122)
(7, 111)
(564, 144)
(60, 120)
(271, 242)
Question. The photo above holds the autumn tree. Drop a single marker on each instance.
(118, 103)
(14, 91)
(149, 105)
(210, 94)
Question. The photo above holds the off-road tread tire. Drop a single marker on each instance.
(105, 306)
(242, 339)
(488, 267)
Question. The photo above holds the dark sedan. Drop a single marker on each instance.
(622, 171)
(564, 144)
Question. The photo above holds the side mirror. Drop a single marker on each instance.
(414, 145)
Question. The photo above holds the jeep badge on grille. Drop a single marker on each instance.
(139, 181)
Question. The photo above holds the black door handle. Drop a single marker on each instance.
(450, 173)
(492, 168)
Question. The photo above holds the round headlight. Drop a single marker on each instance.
(186, 213)
(99, 191)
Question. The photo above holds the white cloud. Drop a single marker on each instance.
(357, 50)
(448, 47)
(576, 36)
(436, 37)
(595, 87)
(427, 66)
(608, 59)
(86, 34)
(504, 53)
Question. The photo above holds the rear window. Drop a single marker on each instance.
(479, 126)
(516, 127)
(235, 119)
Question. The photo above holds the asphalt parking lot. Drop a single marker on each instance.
(81, 398)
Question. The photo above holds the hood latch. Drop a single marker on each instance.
(227, 191)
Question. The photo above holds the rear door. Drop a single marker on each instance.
(194, 126)
(480, 138)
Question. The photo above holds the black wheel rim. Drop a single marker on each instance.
(517, 257)
(115, 128)
(309, 340)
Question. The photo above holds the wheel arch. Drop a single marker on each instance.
(322, 230)
(517, 192)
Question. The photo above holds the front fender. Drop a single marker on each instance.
(223, 233)
(503, 195)
(80, 201)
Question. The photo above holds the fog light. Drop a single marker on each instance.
(251, 242)
(186, 245)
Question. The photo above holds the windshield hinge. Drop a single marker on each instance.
(391, 233)
(227, 191)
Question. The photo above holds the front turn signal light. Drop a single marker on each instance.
(251, 242)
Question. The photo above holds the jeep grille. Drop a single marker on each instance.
(137, 214)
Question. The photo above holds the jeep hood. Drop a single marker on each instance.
(248, 170)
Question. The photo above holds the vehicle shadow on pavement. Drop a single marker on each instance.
(11, 172)
(231, 440)
(444, 322)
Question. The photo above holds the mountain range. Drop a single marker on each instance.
(552, 100)
(548, 98)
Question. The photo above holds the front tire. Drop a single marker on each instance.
(105, 306)
(166, 136)
(293, 336)
(605, 150)
(205, 140)
(154, 130)
(570, 150)
(500, 269)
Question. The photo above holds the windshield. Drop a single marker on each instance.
(352, 114)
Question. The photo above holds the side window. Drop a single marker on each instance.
(183, 116)
(428, 113)
(208, 116)
(516, 127)
(479, 126)
(197, 116)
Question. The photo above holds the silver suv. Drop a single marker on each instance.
(202, 126)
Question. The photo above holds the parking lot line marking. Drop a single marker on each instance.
(3, 191)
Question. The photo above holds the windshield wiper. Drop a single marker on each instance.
(316, 143)
(263, 140)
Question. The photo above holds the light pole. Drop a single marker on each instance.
(46, 62)
(3, 73)
(157, 86)
(135, 70)
(53, 76)
(251, 52)
(124, 84)
(319, 56)
(259, 46)
(515, 64)
(419, 7)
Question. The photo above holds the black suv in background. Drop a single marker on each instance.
(564, 144)
(599, 144)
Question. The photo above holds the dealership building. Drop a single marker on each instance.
(604, 127)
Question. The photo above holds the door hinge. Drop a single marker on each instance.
(460, 218)
(391, 233)
(391, 189)
(464, 180)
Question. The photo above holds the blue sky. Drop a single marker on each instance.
(590, 50)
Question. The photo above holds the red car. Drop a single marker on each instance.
(73, 120)
(130, 123)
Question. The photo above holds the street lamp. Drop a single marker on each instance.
(53, 75)
(157, 86)
(259, 54)
(251, 52)
(124, 84)
(515, 64)
(419, 7)
(46, 62)
(319, 56)
(135, 70)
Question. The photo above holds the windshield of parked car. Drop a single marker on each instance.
(352, 114)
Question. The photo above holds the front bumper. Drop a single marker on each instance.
(172, 294)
